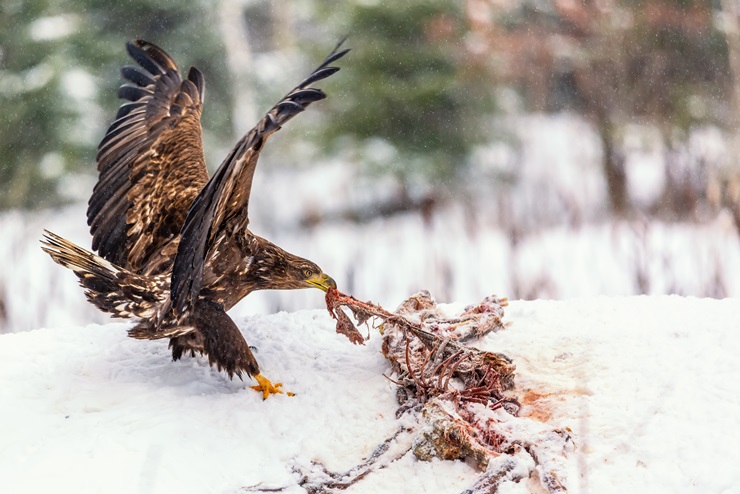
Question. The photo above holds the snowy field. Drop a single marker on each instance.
(386, 260)
(649, 387)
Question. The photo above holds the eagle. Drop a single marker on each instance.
(172, 247)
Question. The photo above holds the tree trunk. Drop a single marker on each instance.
(239, 60)
(613, 166)
(732, 36)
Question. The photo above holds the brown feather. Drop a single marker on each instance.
(151, 163)
(107, 286)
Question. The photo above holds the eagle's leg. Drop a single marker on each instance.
(222, 341)
(212, 332)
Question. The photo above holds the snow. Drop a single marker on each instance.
(649, 387)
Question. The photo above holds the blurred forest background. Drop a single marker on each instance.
(533, 148)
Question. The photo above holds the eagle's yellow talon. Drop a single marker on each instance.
(267, 388)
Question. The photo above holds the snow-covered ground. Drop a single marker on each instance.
(649, 387)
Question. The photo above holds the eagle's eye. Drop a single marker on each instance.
(307, 273)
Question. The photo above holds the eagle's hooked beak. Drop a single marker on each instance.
(322, 281)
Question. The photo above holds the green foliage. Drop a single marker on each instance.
(59, 72)
(676, 67)
(408, 83)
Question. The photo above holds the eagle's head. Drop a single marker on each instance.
(273, 268)
(312, 274)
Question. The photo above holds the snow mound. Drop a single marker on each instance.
(648, 386)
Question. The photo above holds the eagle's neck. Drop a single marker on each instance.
(267, 264)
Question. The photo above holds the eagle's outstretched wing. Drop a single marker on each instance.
(219, 212)
(150, 161)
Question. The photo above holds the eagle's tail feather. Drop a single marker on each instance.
(110, 288)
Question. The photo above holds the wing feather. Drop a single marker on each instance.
(127, 108)
(151, 57)
(220, 210)
(137, 76)
(133, 93)
(150, 161)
